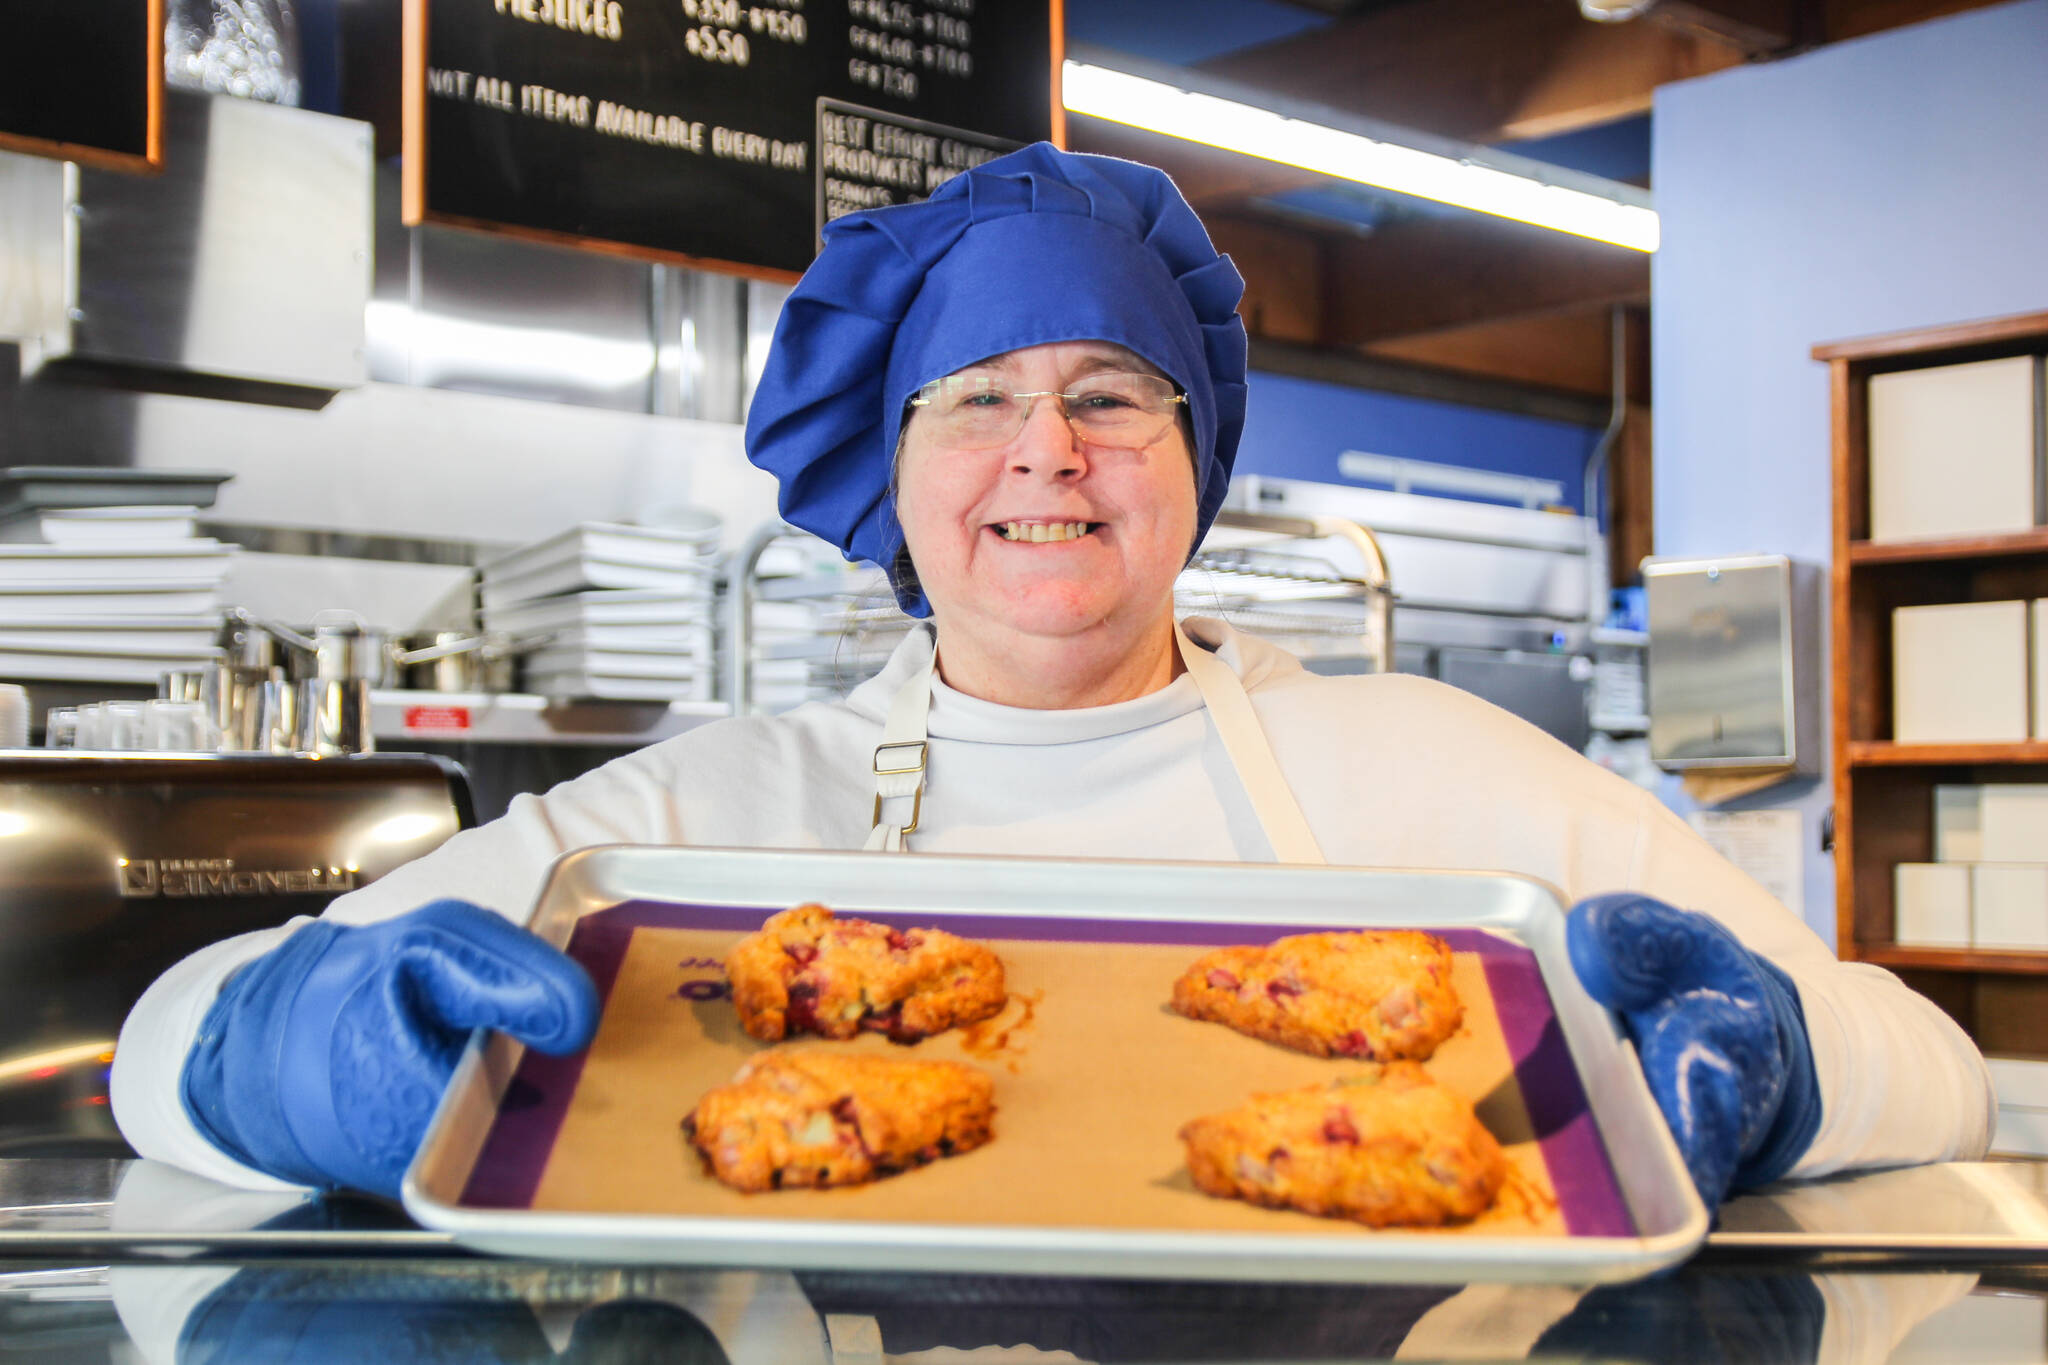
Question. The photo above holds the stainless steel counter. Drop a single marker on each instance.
(123, 1261)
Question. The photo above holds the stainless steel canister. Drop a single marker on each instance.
(332, 670)
(230, 690)
(455, 661)
(333, 717)
(345, 649)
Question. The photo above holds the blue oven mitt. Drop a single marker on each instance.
(1719, 1031)
(322, 1060)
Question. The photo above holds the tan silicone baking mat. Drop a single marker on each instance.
(1093, 1074)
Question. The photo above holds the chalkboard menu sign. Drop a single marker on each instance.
(720, 133)
(85, 82)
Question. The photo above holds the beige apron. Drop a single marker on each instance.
(899, 766)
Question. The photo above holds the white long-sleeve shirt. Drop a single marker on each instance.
(1390, 770)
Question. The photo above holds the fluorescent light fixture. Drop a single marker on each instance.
(100, 1050)
(1464, 180)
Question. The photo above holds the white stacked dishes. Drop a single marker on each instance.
(820, 626)
(612, 611)
(112, 594)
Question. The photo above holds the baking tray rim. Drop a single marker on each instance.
(600, 877)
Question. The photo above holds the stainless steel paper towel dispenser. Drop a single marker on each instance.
(1734, 662)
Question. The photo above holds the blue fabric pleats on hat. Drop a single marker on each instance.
(1037, 246)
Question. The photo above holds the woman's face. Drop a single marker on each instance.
(961, 509)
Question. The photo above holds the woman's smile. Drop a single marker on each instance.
(1044, 533)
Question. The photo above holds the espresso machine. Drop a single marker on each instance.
(115, 866)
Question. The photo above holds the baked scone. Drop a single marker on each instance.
(807, 971)
(1378, 995)
(823, 1116)
(1388, 1147)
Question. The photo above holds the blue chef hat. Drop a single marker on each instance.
(1037, 246)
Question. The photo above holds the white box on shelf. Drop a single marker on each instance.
(2039, 635)
(2021, 1132)
(2015, 823)
(2009, 905)
(1959, 673)
(2019, 1082)
(1958, 824)
(1953, 449)
(1931, 905)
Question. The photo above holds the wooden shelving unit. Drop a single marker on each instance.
(1956, 959)
(1884, 791)
(1870, 753)
(1923, 551)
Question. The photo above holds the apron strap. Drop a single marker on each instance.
(1244, 740)
(900, 758)
(899, 763)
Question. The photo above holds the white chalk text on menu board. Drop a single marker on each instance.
(720, 132)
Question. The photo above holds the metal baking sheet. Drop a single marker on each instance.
(487, 1171)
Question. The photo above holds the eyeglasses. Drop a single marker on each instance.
(975, 412)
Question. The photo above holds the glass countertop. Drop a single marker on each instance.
(108, 1261)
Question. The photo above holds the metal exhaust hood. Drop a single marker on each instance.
(242, 271)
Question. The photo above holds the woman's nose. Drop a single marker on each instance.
(1048, 445)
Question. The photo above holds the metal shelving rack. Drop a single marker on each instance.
(522, 718)
(1265, 576)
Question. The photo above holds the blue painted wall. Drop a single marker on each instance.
(1897, 181)
(1296, 429)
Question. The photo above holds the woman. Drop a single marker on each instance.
(1024, 395)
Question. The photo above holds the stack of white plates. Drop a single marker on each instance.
(822, 645)
(111, 594)
(621, 612)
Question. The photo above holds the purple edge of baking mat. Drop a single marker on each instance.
(508, 1168)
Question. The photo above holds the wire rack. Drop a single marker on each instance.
(1281, 591)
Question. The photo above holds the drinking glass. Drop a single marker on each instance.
(92, 726)
(60, 728)
(125, 727)
(179, 727)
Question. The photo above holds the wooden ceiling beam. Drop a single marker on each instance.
(1483, 71)
(1479, 69)
(1496, 303)
(1427, 274)
(1568, 349)
(1417, 277)
(1474, 389)
(1208, 176)
(1286, 293)
(1755, 28)
(1845, 19)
